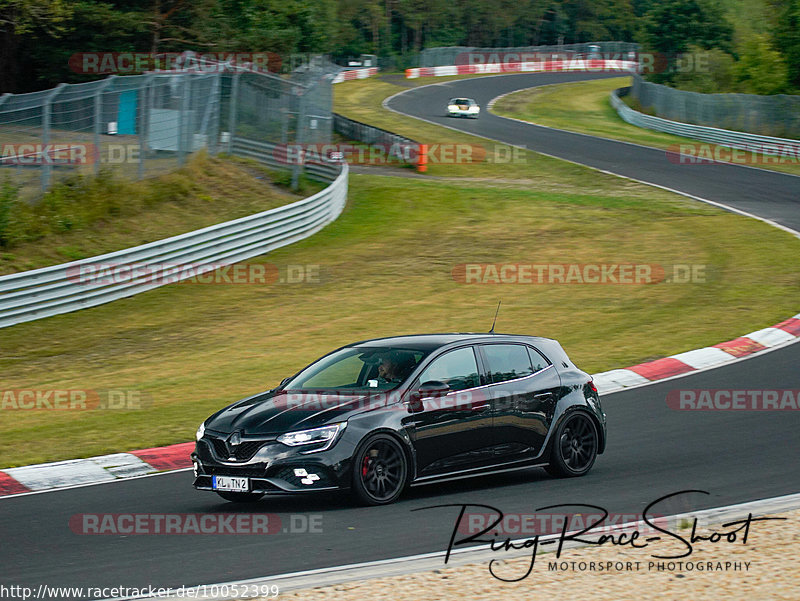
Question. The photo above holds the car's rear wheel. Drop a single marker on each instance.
(574, 447)
(380, 470)
(240, 497)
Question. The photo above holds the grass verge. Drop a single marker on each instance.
(91, 215)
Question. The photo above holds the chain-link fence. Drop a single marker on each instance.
(457, 55)
(777, 115)
(143, 125)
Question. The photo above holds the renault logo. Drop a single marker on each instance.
(234, 440)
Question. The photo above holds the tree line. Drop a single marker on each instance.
(753, 45)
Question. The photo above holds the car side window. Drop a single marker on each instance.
(507, 362)
(458, 369)
(538, 360)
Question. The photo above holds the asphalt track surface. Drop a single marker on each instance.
(767, 194)
(652, 450)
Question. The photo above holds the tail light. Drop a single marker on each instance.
(592, 386)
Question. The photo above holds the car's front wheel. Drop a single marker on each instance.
(380, 470)
(240, 497)
(574, 447)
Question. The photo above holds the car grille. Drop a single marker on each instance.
(241, 452)
(248, 472)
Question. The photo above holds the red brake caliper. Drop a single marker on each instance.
(364, 466)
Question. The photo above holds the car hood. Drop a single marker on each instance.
(275, 412)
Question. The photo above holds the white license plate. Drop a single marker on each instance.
(230, 483)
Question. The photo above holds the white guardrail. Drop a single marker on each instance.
(31, 295)
(724, 137)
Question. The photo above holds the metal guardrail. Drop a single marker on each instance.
(369, 134)
(40, 293)
(276, 156)
(724, 137)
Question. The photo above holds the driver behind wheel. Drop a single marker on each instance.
(395, 367)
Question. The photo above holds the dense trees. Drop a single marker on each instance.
(37, 37)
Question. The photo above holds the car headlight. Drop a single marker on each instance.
(474, 109)
(452, 107)
(200, 431)
(324, 435)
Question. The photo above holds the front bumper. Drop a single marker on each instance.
(274, 468)
(462, 113)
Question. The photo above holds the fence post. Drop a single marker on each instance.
(213, 128)
(3, 98)
(98, 120)
(46, 113)
(299, 138)
(232, 108)
(183, 115)
(285, 125)
(145, 108)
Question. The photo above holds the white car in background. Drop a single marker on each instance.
(463, 107)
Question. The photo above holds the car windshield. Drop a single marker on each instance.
(460, 101)
(359, 368)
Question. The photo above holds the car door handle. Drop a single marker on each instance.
(545, 396)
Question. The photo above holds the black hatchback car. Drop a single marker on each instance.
(379, 415)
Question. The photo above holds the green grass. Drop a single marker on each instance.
(87, 215)
(584, 107)
(386, 268)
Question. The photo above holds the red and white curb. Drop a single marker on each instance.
(354, 74)
(94, 470)
(107, 468)
(699, 359)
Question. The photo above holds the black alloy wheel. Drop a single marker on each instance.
(575, 446)
(380, 470)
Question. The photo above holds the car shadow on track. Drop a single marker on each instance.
(342, 501)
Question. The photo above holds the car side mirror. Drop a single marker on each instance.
(432, 388)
